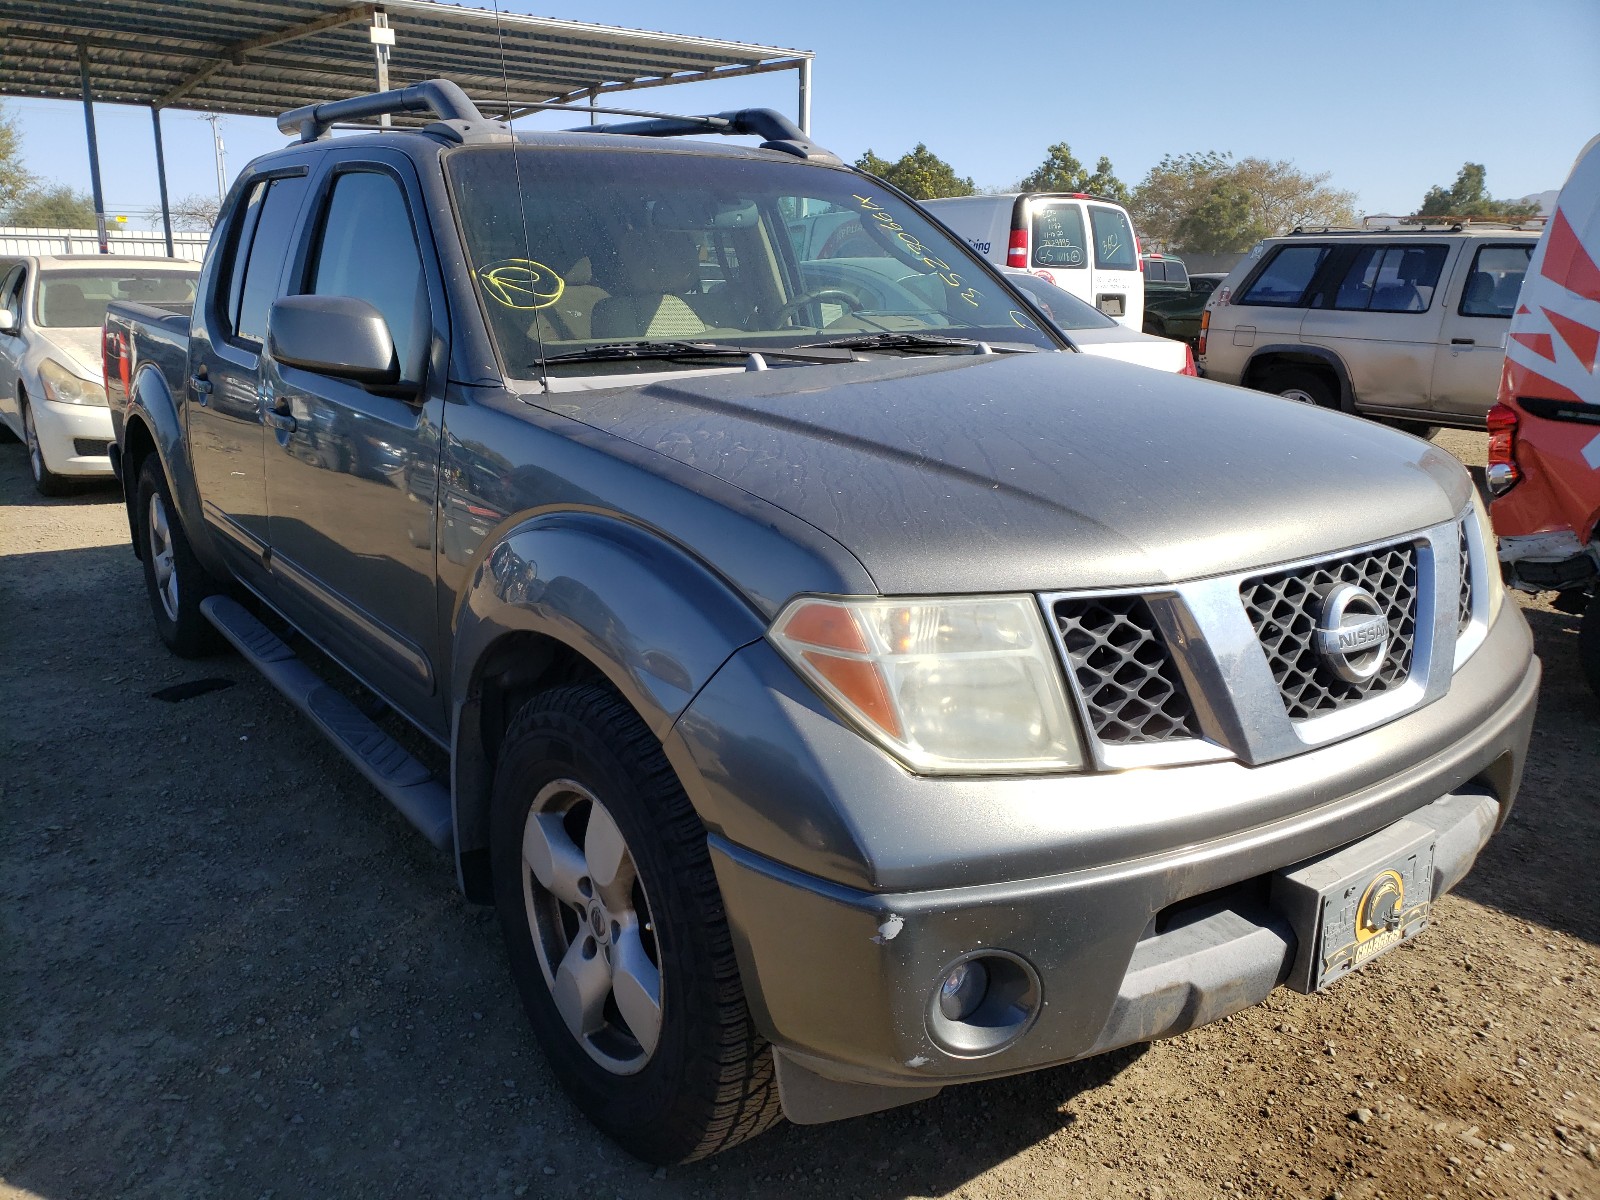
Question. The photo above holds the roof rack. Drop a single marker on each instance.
(1413, 224)
(461, 121)
(459, 117)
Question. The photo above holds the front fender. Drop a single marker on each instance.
(152, 405)
(652, 618)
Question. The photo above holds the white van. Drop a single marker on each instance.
(1082, 244)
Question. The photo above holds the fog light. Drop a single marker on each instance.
(963, 990)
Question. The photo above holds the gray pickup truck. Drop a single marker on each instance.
(842, 689)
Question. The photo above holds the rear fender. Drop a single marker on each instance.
(646, 614)
(153, 412)
(1267, 358)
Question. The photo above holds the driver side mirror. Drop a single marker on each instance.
(8, 322)
(338, 336)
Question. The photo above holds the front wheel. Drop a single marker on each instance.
(616, 934)
(1589, 643)
(45, 481)
(173, 577)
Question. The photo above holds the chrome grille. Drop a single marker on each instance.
(1283, 609)
(1125, 674)
(1464, 606)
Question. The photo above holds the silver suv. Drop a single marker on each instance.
(1407, 324)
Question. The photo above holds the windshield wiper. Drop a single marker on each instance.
(917, 341)
(683, 349)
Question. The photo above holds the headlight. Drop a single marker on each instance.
(1489, 549)
(957, 685)
(64, 387)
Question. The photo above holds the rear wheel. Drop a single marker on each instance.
(1589, 643)
(1303, 387)
(45, 481)
(173, 577)
(616, 935)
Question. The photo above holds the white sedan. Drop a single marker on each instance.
(1095, 333)
(52, 394)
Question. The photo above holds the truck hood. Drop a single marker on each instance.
(1035, 472)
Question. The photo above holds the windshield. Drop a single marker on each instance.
(78, 299)
(611, 247)
(1063, 308)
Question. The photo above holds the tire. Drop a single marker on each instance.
(173, 578)
(1155, 326)
(690, 1076)
(1305, 387)
(45, 481)
(1589, 643)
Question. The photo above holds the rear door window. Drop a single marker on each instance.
(1114, 248)
(268, 251)
(1058, 239)
(1391, 279)
(1495, 280)
(1283, 281)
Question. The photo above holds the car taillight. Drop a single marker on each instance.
(1502, 473)
(1017, 250)
(1188, 362)
(1205, 324)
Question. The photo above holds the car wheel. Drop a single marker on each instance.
(616, 935)
(1589, 643)
(1304, 387)
(45, 481)
(1155, 327)
(173, 577)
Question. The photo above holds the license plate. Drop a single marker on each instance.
(1350, 906)
(1111, 305)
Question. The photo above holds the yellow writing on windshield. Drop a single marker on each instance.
(913, 244)
(521, 283)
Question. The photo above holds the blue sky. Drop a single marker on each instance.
(1388, 97)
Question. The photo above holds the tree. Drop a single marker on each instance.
(1211, 203)
(1062, 172)
(198, 211)
(15, 179)
(1469, 197)
(52, 205)
(921, 174)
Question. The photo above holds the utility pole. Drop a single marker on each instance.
(221, 152)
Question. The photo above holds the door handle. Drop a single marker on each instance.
(283, 421)
(201, 386)
(1462, 342)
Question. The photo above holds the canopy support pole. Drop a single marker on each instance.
(161, 179)
(94, 149)
(805, 96)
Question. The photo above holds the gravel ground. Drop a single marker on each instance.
(228, 969)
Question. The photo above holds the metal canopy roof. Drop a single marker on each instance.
(261, 57)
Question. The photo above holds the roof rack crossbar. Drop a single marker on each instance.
(777, 131)
(441, 97)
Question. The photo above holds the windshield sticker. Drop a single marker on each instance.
(913, 244)
(522, 284)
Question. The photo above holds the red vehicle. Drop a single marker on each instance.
(1544, 434)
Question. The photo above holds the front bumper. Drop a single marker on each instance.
(75, 438)
(842, 978)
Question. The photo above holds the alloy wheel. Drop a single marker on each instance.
(161, 556)
(591, 925)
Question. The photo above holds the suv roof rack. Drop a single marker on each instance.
(1444, 224)
(461, 121)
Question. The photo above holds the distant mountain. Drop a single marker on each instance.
(1545, 200)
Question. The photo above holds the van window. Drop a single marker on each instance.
(1283, 281)
(1114, 248)
(1495, 281)
(1058, 235)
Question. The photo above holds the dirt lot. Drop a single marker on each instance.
(228, 969)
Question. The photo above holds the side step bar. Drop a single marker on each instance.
(409, 785)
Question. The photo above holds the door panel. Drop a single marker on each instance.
(12, 283)
(224, 410)
(351, 470)
(1472, 342)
